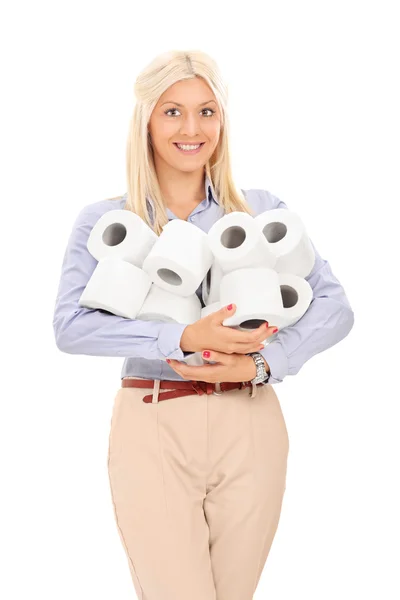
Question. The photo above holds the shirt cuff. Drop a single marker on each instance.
(169, 341)
(276, 357)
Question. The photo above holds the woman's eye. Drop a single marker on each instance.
(175, 109)
(169, 110)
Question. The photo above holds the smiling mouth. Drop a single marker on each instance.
(195, 151)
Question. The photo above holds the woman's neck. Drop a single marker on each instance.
(183, 192)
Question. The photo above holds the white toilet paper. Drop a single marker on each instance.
(210, 308)
(116, 286)
(288, 240)
(296, 295)
(161, 305)
(235, 242)
(256, 293)
(262, 294)
(121, 234)
(211, 283)
(180, 258)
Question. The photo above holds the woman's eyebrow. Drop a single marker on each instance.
(177, 103)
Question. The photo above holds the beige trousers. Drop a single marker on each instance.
(197, 484)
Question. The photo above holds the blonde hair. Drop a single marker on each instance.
(163, 71)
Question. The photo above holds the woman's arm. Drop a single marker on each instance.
(328, 319)
(80, 330)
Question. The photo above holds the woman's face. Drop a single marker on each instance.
(188, 113)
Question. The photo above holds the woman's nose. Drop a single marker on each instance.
(190, 125)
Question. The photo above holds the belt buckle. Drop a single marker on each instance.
(217, 390)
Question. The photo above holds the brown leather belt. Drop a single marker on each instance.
(185, 388)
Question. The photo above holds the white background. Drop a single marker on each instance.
(314, 108)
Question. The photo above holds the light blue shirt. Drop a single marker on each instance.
(143, 344)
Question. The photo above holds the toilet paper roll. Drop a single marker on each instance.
(256, 293)
(116, 286)
(279, 298)
(161, 305)
(180, 258)
(121, 234)
(211, 283)
(235, 242)
(288, 240)
(296, 294)
(209, 309)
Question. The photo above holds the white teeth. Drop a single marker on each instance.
(185, 147)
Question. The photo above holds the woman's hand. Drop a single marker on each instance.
(209, 333)
(228, 367)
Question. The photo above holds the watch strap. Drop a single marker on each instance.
(262, 375)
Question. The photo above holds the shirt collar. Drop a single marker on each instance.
(210, 195)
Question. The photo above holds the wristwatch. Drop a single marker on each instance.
(262, 376)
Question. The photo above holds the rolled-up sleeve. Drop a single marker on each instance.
(328, 319)
(81, 330)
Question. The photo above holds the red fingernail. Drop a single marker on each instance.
(168, 361)
(275, 330)
(206, 354)
(229, 307)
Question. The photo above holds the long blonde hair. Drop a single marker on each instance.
(163, 71)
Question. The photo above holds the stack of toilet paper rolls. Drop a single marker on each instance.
(258, 263)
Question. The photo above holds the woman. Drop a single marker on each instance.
(197, 473)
